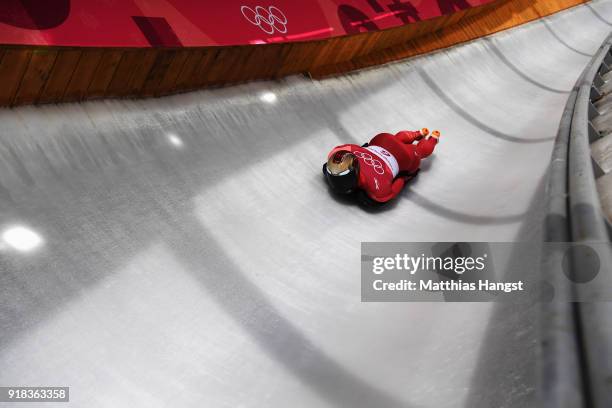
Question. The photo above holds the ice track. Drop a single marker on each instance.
(191, 255)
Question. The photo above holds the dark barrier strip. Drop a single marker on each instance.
(560, 381)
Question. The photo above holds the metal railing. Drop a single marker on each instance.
(576, 352)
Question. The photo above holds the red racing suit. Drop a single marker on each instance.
(387, 161)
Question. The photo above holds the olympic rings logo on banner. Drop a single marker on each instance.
(370, 161)
(269, 20)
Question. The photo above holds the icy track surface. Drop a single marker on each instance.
(185, 252)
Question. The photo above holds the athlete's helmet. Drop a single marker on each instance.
(341, 172)
(424, 132)
(435, 134)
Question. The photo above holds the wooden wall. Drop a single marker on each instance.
(32, 75)
(494, 18)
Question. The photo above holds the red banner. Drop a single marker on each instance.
(175, 23)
